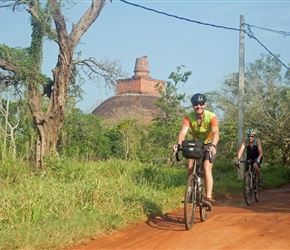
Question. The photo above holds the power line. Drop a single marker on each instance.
(251, 35)
(178, 17)
(284, 33)
(249, 32)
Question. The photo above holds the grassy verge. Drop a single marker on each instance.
(72, 201)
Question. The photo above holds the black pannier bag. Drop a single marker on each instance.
(192, 149)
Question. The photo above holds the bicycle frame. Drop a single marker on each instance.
(196, 173)
(193, 194)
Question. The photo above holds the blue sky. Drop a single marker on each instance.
(125, 32)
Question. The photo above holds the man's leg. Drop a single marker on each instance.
(208, 178)
(258, 171)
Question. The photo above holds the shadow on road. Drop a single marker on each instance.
(173, 221)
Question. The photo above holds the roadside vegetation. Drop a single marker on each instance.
(55, 209)
(106, 178)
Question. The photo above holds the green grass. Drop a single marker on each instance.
(56, 208)
(71, 201)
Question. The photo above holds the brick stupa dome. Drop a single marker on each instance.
(134, 97)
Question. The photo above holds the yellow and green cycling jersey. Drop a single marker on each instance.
(202, 131)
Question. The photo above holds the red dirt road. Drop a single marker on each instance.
(231, 225)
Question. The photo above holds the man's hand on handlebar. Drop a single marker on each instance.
(212, 149)
(175, 148)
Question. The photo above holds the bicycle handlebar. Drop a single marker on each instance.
(180, 149)
(249, 161)
(245, 161)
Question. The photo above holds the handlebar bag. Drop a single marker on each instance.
(192, 149)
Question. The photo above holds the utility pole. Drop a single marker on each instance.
(241, 93)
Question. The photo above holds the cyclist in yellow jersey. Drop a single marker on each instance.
(204, 127)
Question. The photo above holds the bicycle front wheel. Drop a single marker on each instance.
(248, 191)
(190, 202)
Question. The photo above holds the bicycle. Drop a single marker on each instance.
(193, 196)
(250, 183)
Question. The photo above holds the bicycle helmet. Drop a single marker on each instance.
(198, 99)
(251, 131)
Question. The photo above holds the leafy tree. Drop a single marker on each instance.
(131, 133)
(267, 104)
(115, 142)
(167, 124)
(47, 97)
(83, 135)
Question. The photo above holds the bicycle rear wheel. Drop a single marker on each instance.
(190, 202)
(248, 191)
(257, 189)
(203, 211)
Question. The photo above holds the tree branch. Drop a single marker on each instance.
(60, 25)
(110, 71)
(86, 21)
(8, 66)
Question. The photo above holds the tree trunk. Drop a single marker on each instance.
(50, 122)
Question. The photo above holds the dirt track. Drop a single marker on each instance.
(231, 225)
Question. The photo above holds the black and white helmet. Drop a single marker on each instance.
(198, 99)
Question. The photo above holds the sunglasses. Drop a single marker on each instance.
(251, 136)
(200, 103)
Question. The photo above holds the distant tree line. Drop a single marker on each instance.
(84, 137)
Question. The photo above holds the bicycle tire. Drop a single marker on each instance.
(248, 190)
(190, 202)
(257, 189)
(203, 212)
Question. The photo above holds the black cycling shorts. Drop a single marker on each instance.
(259, 165)
(206, 155)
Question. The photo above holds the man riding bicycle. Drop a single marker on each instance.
(204, 127)
(254, 152)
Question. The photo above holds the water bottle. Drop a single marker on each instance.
(199, 184)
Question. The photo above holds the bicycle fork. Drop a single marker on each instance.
(199, 191)
(253, 185)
